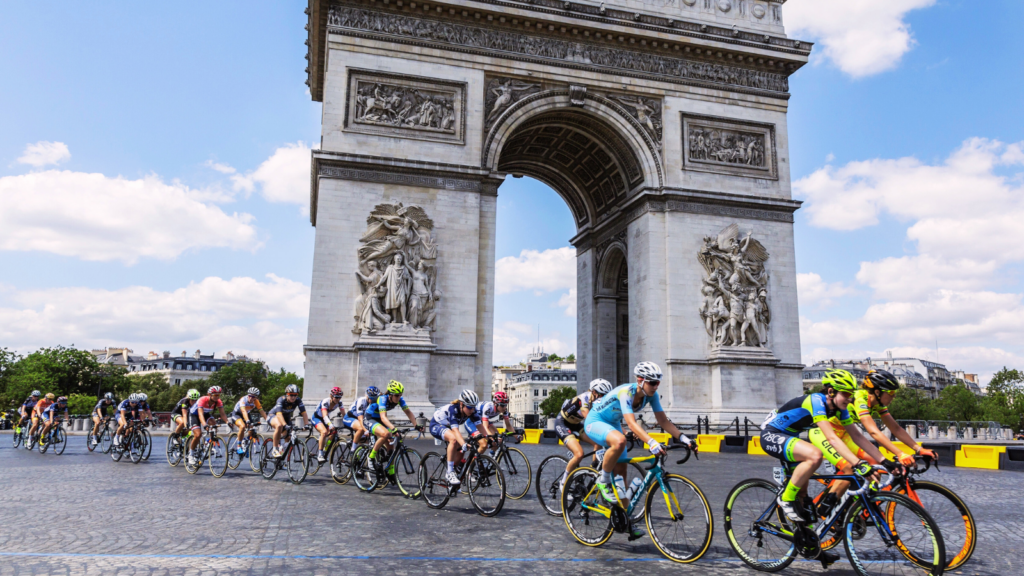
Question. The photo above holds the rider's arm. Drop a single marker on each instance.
(869, 425)
(669, 427)
(384, 420)
(245, 414)
(865, 444)
(410, 416)
(305, 417)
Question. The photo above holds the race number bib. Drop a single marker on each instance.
(779, 475)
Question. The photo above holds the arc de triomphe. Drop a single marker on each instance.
(661, 123)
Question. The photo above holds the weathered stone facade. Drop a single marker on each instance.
(660, 124)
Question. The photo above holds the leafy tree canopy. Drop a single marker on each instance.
(553, 403)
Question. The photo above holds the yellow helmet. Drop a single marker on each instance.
(50, 396)
(395, 387)
(840, 380)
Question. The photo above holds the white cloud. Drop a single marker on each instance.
(568, 301)
(512, 343)
(862, 37)
(44, 153)
(265, 319)
(102, 218)
(284, 177)
(812, 289)
(550, 270)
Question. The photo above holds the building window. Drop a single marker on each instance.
(189, 367)
(177, 366)
(203, 368)
(536, 392)
(545, 394)
(177, 381)
(536, 406)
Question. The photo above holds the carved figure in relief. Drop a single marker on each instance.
(505, 94)
(647, 112)
(401, 106)
(396, 298)
(728, 146)
(734, 295)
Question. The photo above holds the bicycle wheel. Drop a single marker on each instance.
(116, 452)
(895, 530)
(218, 456)
(407, 465)
(193, 466)
(312, 447)
(363, 472)
(136, 447)
(297, 462)
(88, 441)
(585, 513)
(518, 474)
(959, 533)
(268, 464)
(43, 443)
(253, 450)
(487, 489)
(431, 478)
(548, 483)
(341, 468)
(749, 509)
(17, 437)
(60, 442)
(148, 439)
(234, 458)
(174, 449)
(679, 520)
(106, 440)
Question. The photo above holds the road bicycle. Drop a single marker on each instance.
(552, 470)
(55, 437)
(679, 523)
(105, 436)
(479, 476)
(950, 512)
(251, 444)
(339, 456)
(212, 448)
(293, 456)
(176, 443)
(313, 447)
(395, 463)
(20, 431)
(134, 441)
(883, 532)
(513, 463)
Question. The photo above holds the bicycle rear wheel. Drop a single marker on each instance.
(148, 439)
(268, 464)
(88, 441)
(518, 474)
(340, 461)
(750, 511)
(407, 465)
(106, 440)
(297, 462)
(959, 532)
(312, 447)
(60, 442)
(431, 478)
(43, 443)
(253, 450)
(218, 457)
(585, 513)
(549, 479)
(486, 485)
(894, 530)
(136, 447)
(17, 437)
(173, 449)
(363, 472)
(234, 458)
(116, 452)
(679, 521)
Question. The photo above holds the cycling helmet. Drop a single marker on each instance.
(133, 398)
(881, 380)
(253, 392)
(291, 389)
(500, 398)
(600, 386)
(109, 396)
(395, 387)
(839, 380)
(372, 392)
(193, 394)
(648, 371)
(36, 394)
(469, 397)
(50, 396)
(215, 390)
(336, 392)
(62, 400)
(143, 397)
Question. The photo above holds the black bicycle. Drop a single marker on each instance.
(55, 437)
(20, 431)
(212, 448)
(292, 457)
(479, 476)
(104, 438)
(133, 443)
(513, 463)
(395, 463)
(252, 443)
(551, 476)
(330, 445)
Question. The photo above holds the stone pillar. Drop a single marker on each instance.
(485, 294)
(586, 336)
(951, 432)
(933, 432)
(912, 430)
(604, 328)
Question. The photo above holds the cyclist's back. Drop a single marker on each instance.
(611, 408)
(803, 412)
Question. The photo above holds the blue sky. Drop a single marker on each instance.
(151, 193)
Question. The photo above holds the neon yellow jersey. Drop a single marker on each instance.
(860, 407)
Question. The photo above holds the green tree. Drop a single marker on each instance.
(79, 404)
(554, 358)
(553, 403)
(913, 404)
(570, 358)
(958, 403)
(63, 371)
(8, 365)
(278, 381)
(1004, 400)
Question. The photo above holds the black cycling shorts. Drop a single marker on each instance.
(565, 429)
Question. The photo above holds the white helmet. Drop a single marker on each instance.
(469, 397)
(600, 386)
(142, 397)
(648, 371)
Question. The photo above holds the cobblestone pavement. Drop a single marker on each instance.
(81, 513)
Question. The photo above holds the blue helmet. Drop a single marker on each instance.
(372, 392)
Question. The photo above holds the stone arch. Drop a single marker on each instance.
(594, 156)
(611, 312)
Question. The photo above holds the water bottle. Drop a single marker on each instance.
(620, 486)
(633, 487)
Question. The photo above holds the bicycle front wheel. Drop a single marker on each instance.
(431, 477)
(518, 474)
(268, 464)
(341, 467)
(106, 440)
(549, 482)
(255, 442)
(60, 442)
(882, 536)
(363, 471)
(312, 448)
(959, 533)
(148, 439)
(17, 437)
(586, 514)
(752, 525)
(407, 466)
(88, 441)
(679, 518)
(218, 457)
(136, 447)
(297, 462)
(486, 485)
(234, 458)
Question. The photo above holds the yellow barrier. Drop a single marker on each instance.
(754, 446)
(975, 456)
(659, 437)
(900, 445)
(710, 442)
(532, 436)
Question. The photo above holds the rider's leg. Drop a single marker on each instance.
(381, 433)
(323, 436)
(577, 453)
(240, 424)
(278, 423)
(96, 424)
(358, 431)
(809, 458)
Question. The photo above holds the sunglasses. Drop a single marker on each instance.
(653, 382)
(291, 394)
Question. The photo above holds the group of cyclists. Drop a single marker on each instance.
(41, 413)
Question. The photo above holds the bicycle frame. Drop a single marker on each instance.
(655, 473)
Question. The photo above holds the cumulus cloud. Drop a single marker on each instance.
(513, 341)
(44, 153)
(265, 319)
(811, 289)
(861, 38)
(284, 177)
(550, 270)
(102, 218)
(568, 301)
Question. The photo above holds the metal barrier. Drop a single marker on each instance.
(953, 430)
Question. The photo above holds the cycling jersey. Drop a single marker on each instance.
(572, 408)
(53, 409)
(382, 405)
(183, 404)
(612, 407)
(485, 412)
(248, 404)
(802, 413)
(101, 406)
(325, 404)
(41, 405)
(29, 405)
(144, 407)
(358, 407)
(132, 412)
(287, 407)
(862, 407)
(449, 417)
(207, 404)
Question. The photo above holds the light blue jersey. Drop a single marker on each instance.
(618, 402)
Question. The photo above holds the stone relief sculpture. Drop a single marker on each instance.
(726, 146)
(397, 272)
(502, 93)
(391, 105)
(734, 295)
(647, 111)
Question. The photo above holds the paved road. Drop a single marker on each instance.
(82, 513)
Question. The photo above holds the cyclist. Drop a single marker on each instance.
(569, 422)
(444, 426)
(199, 414)
(804, 413)
(99, 413)
(49, 416)
(27, 408)
(127, 410)
(603, 425)
(322, 419)
(180, 413)
(487, 411)
(144, 409)
(280, 415)
(376, 419)
(353, 419)
(240, 413)
(870, 401)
